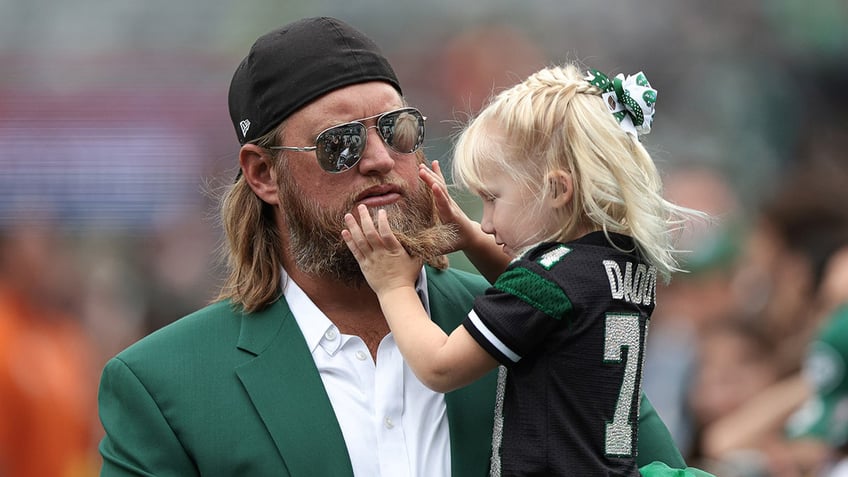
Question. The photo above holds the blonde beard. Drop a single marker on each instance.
(315, 232)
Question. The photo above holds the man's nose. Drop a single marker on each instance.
(377, 157)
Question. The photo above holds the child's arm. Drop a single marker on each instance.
(441, 362)
(480, 248)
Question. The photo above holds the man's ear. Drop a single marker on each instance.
(258, 170)
(562, 188)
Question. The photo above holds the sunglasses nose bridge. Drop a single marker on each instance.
(383, 142)
(376, 127)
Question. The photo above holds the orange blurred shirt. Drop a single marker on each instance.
(47, 394)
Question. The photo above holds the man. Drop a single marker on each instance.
(293, 371)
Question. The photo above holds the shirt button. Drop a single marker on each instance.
(360, 355)
(389, 423)
(330, 334)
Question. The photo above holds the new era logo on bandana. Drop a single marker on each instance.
(245, 125)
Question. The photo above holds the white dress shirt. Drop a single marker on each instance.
(393, 425)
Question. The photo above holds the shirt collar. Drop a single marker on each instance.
(317, 329)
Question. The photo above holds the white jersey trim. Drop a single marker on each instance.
(487, 333)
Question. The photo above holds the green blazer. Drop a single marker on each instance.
(223, 393)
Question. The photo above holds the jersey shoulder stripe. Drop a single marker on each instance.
(537, 291)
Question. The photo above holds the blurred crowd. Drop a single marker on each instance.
(108, 232)
(747, 352)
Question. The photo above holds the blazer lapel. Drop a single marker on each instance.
(470, 409)
(284, 386)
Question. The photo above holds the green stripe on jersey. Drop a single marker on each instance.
(539, 292)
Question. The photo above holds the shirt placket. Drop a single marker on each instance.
(388, 386)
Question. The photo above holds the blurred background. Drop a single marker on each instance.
(115, 140)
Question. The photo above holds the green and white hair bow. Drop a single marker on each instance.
(629, 98)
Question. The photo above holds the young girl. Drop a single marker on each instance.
(573, 199)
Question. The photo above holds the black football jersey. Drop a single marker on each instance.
(569, 321)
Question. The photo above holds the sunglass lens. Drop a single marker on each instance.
(340, 148)
(403, 130)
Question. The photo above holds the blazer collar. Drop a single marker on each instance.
(284, 386)
(470, 409)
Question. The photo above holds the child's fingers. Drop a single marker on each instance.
(351, 244)
(436, 181)
(431, 177)
(369, 231)
(442, 198)
(437, 169)
(353, 229)
(352, 237)
(385, 230)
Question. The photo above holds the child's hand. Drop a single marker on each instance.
(449, 211)
(480, 248)
(383, 260)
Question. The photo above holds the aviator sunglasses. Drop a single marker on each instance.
(339, 148)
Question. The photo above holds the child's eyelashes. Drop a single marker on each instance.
(486, 196)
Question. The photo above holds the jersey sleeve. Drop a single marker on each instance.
(518, 312)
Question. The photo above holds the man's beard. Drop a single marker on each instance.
(315, 232)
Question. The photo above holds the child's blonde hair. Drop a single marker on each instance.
(557, 120)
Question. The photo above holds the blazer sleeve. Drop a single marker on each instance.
(138, 441)
(655, 441)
